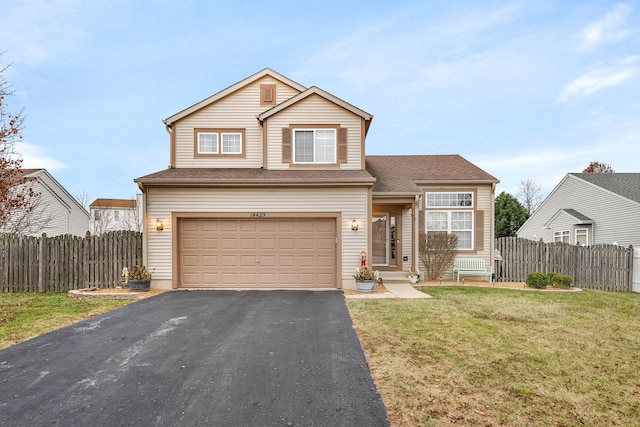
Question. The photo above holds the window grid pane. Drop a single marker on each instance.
(459, 223)
(303, 146)
(232, 143)
(325, 146)
(447, 200)
(207, 143)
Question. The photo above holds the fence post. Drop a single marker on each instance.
(635, 269)
(42, 264)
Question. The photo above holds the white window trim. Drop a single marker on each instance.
(217, 148)
(449, 228)
(314, 162)
(426, 201)
(562, 234)
(222, 145)
(586, 230)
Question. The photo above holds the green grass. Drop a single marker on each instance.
(27, 315)
(491, 357)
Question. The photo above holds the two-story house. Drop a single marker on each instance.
(52, 212)
(269, 186)
(115, 214)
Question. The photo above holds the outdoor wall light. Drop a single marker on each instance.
(354, 225)
(159, 225)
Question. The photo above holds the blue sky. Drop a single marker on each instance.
(524, 89)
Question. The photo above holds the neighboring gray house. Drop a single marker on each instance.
(587, 209)
(56, 211)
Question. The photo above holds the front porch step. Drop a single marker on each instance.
(394, 277)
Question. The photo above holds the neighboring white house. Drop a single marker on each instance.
(587, 209)
(116, 214)
(55, 211)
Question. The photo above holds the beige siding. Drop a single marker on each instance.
(407, 239)
(351, 203)
(314, 110)
(238, 110)
(484, 202)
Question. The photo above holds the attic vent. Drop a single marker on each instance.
(268, 94)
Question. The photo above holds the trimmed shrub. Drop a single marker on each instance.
(562, 281)
(537, 280)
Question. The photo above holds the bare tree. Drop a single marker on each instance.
(100, 218)
(133, 217)
(598, 167)
(83, 198)
(530, 195)
(28, 220)
(437, 252)
(18, 200)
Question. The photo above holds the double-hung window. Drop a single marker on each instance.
(448, 212)
(314, 145)
(207, 143)
(561, 236)
(219, 142)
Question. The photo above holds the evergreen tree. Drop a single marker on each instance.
(510, 215)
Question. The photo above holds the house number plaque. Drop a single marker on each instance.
(257, 214)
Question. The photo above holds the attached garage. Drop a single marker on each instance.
(257, 252)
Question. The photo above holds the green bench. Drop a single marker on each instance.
(470, 267)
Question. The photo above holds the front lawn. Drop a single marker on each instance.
(27, 315)
(492, 357)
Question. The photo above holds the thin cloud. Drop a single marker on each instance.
(612, 28)
(35, 156)
(597, 79)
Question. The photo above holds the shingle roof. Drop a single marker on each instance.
(399, 174)
(113, 203)
(254, 176)
(574, 213)
(625, 184)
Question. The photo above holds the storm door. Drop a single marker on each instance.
(384, 240)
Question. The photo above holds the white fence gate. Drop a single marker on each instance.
(635, 286)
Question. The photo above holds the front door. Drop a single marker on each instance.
(385, 240)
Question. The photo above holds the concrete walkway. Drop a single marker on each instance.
(396, 290)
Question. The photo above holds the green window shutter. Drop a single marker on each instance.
(342, 145)
(479, 230)
(287, 148)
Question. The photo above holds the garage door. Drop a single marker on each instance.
(257, 253)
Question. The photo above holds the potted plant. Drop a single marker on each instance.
(414, 276)
(139, 279)
(365, 279)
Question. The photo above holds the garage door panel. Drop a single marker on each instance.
(209, 243)
(229, 261)
(257, 252)
(210, 261)
(325, 262)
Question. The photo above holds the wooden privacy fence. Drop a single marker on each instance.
(61, 263)
(600, 267)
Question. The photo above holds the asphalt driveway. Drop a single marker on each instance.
(198, 358)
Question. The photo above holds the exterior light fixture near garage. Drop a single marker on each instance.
(354, 225)
(159, 225)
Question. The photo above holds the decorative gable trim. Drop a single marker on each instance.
(267, 94)
(314, 90)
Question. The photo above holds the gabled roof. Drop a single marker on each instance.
(113, 203)
(626, 185)
(255, 177)
(314, 90)
(234, 87)
(580, 218)
(402, 174)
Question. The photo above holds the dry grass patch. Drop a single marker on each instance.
(495, 357)
(26, 315)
